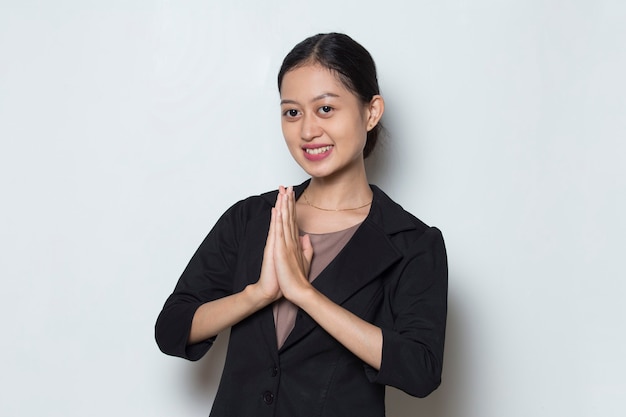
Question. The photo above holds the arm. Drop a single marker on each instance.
(214, 316)
(203, 302)
(292, 259)
(413, 338)
(406, 351)
(363, 339)
(217, 315)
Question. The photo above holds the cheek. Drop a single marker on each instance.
(356, 131)
(290, 134)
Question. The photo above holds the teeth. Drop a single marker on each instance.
(317, 151)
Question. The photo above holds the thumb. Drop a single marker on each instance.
(307, 249)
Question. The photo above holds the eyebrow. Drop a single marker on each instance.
(314, 99)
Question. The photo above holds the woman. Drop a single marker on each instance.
(332, 290)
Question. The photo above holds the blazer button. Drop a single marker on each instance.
(275, 371)
(268, 397)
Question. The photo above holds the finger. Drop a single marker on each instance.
(270, 234)
(279, 200)
(278, 223)
(307, 253)
(275, 211)
(269, 242)
(293, 226)
(285, 220)
(307, 248)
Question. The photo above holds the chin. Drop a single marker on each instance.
(324, 173)
(316, 173)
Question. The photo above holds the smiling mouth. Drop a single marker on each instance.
(317, 151)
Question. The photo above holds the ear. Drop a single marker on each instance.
(375, 110)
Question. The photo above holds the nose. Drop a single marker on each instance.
(310, 128)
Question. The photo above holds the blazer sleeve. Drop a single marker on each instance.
(207, 277)
(413, 343)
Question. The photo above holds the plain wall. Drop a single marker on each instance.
(118, 120)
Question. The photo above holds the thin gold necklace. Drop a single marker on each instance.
(306, 200)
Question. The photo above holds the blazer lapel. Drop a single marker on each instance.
(364, 258)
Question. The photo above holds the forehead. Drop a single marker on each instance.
(310, 81)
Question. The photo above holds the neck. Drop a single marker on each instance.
(338, 193)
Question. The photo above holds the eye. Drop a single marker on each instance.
(291, 113)
(325, 109)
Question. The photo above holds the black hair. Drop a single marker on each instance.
(346, 58)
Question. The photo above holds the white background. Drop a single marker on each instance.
(128, 127)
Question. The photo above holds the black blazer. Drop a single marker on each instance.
(393, 273)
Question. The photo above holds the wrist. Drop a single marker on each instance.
(303, 295)
(256, 296)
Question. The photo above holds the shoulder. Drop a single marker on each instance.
(235, 221)
(392, 217)
(421, 248)
(252, 206)
(405, 230)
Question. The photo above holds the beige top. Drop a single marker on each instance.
(326, 247)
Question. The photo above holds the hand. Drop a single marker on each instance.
(268, 281)
(292, 253)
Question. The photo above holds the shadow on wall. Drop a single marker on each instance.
(388, 165)
(445, 401)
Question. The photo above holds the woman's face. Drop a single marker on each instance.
(324, 124)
